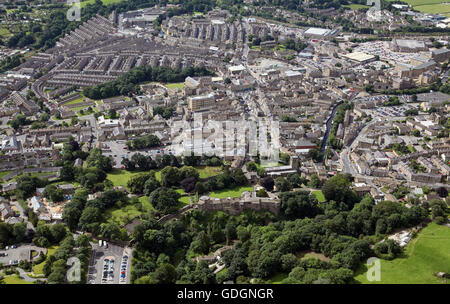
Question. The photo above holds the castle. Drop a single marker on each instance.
(248, 201)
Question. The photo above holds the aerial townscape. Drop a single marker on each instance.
(224, 142)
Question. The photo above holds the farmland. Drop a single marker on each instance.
(424, 256)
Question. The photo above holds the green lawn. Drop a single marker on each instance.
(278, 278)
(125, 214)
(177, 85)
(425, 255)
(14, 279)
(430, 6)
(106, 2)
(39, 268)
(234, 192)
(120, 177)
(158, 175)
(78, 100)
(185, 200)
(207, 171)
(3, 173)
(356, 6)
(319, 195)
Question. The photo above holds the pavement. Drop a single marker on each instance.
(20, 253)
(117, 152)
(96, 264)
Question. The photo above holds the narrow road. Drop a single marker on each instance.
(24, 275)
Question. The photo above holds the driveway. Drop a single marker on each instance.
(96, 264)
(20, 253)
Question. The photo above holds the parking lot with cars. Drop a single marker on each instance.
(107, 264)
(12, 255)
(118, 150)
(394, 111)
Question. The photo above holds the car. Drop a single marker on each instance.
(13, 246)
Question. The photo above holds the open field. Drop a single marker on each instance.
(356, 6)
(123, 215)
(235, 192)
(3, 173)
(39, 268)
(14, 279)
(177, 85)
(207, 171)
(120, 177)
(78, 100)
(84, 3)
(430, 6)
(319, 195)
(424, 256)
(278, 278)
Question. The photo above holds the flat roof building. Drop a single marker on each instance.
(360, 57)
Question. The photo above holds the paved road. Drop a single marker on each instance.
(99, 254)
(20, 253)
(24, 275)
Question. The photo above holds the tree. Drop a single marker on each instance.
(67, 173)
(239, 177)
(136, 183)
(54, 193)
(90, 219)
(188, 172)
(251, 166)
(284, 158)
(170, 176)
(112, 231)
(58, 232)
(337, 188)
(299, 204)
(314, 181)
(200, 188)
(262, 193)
(151, 185)
(294, 179)
(188, 184)
(288, 262)
(268, 183)
(282, 184)
(164, 199)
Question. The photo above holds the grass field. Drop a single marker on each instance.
(425, 255)
(78, 100)
(14, 279)
(319, 195)
(39, 268)
(207, 171)
(177, 85)
(184, 200)
(84, 3)
(356, 6)
(278, 278)
(120, 177)
(126, 213)
(235, 192)
(3, 173)
(430, 6)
